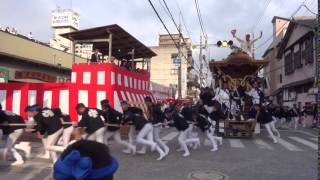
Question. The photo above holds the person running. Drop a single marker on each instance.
(295, 113)
(181, 124)
(201, 118)
(265, 117)
(91, 123)
(11, 134)
(113, 119)
(144, 128)
(156, 116)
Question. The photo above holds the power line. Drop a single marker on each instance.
(165, 10)
(200, 18)
(308, 9)
(164, 25)
(183, 20)
(261, 15)
(184, 24)
(270, 37)
(174, 22)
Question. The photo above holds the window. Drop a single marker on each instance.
(173, 71)
(174, 55)
(307, 54)
(280, 78)
(297, 59)
(288, 64)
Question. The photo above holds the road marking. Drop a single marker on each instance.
(314, 139)
(305, 142)
(169, 136)
(288, 145)
(261, 144)
(49, 177)
(236, 143)
(33, 174)
(307, 133)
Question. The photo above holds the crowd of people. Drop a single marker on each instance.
(97, 126)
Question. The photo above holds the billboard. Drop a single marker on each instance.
(65, 18)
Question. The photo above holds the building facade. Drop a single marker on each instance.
(26, 60)
(292, 68)
(65, 21)
(273, 71)
(164, 68)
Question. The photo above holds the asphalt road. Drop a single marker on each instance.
(293, 158)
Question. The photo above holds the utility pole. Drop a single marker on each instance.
(179, 65)
(201, 62)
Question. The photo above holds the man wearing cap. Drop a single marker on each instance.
(113, 119)
(91, 122)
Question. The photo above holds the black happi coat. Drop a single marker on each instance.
(264, 116)
(179, 122)
(9, 117)
(112, 117)
(47, 122)
(134, 115)
(91, 120)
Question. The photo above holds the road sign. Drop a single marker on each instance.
(177, 61)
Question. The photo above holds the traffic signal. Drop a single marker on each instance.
(224, 43)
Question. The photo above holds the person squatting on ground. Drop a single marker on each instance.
(144, 128)
(85, 159)
(156, 116)
(91, 123)
(11, 135)
(48, 124)
(265, 118)
(113, 118)
(181, 124)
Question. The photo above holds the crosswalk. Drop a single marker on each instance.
(289, 143)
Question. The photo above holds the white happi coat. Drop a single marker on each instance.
(255, 95)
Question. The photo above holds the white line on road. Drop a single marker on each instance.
(261, 144)
(33, 174)
(305, 142)
(314, 139)
(236, 143)
(49, 177)
(307, 133)
(169, 136)
(288, 145)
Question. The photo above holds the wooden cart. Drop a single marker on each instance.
(239, 129)
(238, 66)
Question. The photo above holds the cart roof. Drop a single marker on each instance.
(122, 41)
(238, 65)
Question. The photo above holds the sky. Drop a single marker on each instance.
(137, 17)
